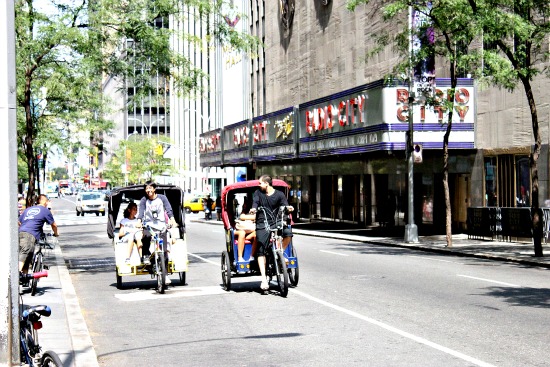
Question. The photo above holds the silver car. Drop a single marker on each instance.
(90, 202)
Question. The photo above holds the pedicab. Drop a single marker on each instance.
(283, 269)
(165, 259)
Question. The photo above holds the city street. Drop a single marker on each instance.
(356, 304)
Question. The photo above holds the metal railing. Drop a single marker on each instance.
(505, 223)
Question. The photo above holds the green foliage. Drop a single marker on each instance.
(144, 163)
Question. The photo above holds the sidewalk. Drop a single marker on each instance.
(66, 332)
(518, 252)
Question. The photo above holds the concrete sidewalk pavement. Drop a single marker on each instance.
(66, 332)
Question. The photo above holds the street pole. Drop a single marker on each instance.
(9, 264)
(411, 230)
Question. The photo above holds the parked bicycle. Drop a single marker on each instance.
(29, 323)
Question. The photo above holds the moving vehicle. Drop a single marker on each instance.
(90, 202)
(230, 267)
(166, 259)
(196, 204)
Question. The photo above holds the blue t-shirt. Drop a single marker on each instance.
(33, 219)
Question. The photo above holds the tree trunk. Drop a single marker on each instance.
(28, 143)
(536, 213)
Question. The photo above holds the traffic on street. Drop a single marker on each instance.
(356, 304)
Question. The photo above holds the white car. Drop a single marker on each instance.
(90, 202)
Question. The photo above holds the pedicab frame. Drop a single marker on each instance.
(229, 265)
(178, 260)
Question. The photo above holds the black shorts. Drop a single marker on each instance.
(263, 236)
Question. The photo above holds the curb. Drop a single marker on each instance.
(84, 352)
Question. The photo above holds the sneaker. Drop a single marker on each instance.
(265, 285)
(241, 260)
(127, 261)
(168, 281)
(146, 260)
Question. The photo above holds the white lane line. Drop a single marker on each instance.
(489, 280)
(170, 293)
(333, 253)
(385, 326)
(429, 258)
(392, 329)
(203, 259)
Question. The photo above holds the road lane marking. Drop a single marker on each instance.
(170, 293)
(203, 259)
(390, 328)
(432, 259)
(333, 253)
(395, 330)
(489, 280)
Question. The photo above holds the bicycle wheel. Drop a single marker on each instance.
(294, 273)
(37, 266)
(161, 272)
(226, 271)
(282, 274)
(50, 359)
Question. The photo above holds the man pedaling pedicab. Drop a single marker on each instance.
(154, 207)
(270, 199)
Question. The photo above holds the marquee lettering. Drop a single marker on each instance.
(347, 112)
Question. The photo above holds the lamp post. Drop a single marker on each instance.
(191, 154)
(411, 230)
(153, 123)
(142, 123)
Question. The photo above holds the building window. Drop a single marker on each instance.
(523, 182)
(490, 182)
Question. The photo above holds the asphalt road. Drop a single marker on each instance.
(355, 305)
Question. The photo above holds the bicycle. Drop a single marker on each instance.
(47, 241)
(159, 264)
(29, 323)
(275, 259)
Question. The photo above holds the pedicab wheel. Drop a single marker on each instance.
(161, 273)
(37, 267)
(50, 358)
(226, 271)
(282, 275)
(182, 277)
(118, 280)
(294, 273)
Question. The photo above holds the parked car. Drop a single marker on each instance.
(195, 204)
(90, 202)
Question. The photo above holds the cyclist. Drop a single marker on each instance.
(31, 222)
(154, 207)
(270, 199)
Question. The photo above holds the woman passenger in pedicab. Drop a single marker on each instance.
(245, 229)
(154, 207)
(130, 231)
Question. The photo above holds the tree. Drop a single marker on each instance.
(520, 31)
(141, 159)
(64, 48)
(448, 25)
(56, 85)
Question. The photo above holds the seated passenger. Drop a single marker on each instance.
(245, 230)
(130, 231)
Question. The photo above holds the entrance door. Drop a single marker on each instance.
(327, 190)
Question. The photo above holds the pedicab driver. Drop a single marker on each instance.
(153, 207)
(270, 199)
